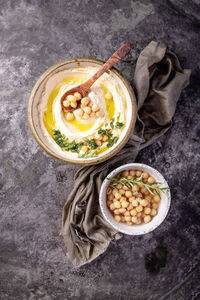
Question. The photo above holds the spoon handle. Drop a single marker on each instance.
(117, 56)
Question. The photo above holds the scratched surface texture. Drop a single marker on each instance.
(160, 265)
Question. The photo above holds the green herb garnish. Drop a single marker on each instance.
(64, 143)
(112, 123)
(91, 143)
(105, 131)
(111, 141)
(119, 125)
(137, 180)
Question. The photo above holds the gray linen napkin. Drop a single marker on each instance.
(158, 81)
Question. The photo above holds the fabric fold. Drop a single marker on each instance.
(158, 82)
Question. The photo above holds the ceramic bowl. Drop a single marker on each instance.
(142, 228)
(33, 118)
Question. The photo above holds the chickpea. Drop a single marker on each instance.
(122, 219)
(117, 218)
(108, 191)
(147, 219)
(98, 114)
(122, 199)
(139, 208)
(125, 173)
(135, 203)
(85, 101)
(119, 186)
(156, 198)
(122, 192)
(139, 221)
(108, 203)
(127, 218)
(98, 142)
(110, 197)
(84, 149)
(133, 212)
(144, 202)
(126, 188)
(148, 198)
(105, 138)
(92, 114)
(139, 214)
(66, 103)
(151, 180)
(145, 175)
(71, 98)
(122, 210)
(98, 136)
(138, 173)
(117, 204)
(147, 210)
(114, 191)
(127, 213)
(82, 106)
(112, 207)
(135, 188)
(108, 96)
(143, 189)
(117, 196)
(80, 112)
(153, 212)
(78, 96)
(70, 116)
(139, 195)
(132, 173)
(129, 223)
(130, 206)
(134, 219)
(85, 116)
(87, 110)
(116, 212)
(124, 204)
(131, 199)
(154, 205)
(95, 107)
(128, 194)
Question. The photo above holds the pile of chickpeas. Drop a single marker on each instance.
(98, 138)
(136, 206)
(87, 109)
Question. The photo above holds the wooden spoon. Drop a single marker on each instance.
(83, 88)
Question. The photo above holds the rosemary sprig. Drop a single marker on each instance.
(129, 183)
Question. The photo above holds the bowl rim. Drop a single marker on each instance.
(44, 76)
(103, 191)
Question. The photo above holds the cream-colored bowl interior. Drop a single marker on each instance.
(33, 116)
(142, 228)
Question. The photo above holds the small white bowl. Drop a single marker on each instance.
(142, 228)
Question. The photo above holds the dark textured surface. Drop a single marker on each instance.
(163, 264)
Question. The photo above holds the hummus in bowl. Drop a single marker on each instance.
(81, 141)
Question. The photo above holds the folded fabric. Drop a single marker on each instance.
(158, 82)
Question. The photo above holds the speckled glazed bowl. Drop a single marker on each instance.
(142, 228)
(33, 116)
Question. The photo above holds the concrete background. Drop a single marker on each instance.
(163, 264)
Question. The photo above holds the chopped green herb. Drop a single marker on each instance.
(105, 131)
(112, 141)
(92, 144)
(112, 123)
(119, 125)
(64, 143)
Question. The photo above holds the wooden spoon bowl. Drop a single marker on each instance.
(84, 88)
